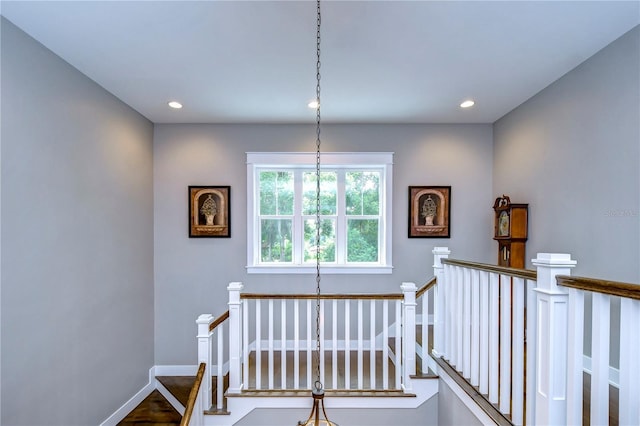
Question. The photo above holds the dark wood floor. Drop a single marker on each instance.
(154, 410)
(179, 386)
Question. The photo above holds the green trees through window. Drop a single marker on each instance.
(350, 214)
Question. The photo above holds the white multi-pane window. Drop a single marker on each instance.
(355, 212)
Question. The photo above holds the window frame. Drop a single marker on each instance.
(350, 161)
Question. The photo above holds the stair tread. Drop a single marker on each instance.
(153, 410)
(179, 386)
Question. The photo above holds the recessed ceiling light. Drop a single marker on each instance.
(313, 104)
(175, 105)
(467, 104)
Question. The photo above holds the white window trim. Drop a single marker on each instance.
(381, 160)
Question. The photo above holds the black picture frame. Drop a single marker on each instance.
(209, 211)
(429, 212)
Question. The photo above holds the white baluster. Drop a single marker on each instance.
(372, 344)
(334, 349)
(575, 351)
(310, 346)
(296, 344)
(270, 371)
(629, 355)
(505, 344)
(551, 347)
(517, 374)
(466, 323)
(475, 328)
(245, 343)
(439, 316)
(600, 343)
(484, 333)
(235, 334)
(283, 344)
(424, 332)
(220, 372)
(448, 314)
(385, 344)
(360, 345)
(323, 343)
(458, 324)
(494, 339)
(347, 344)
(258, 344)
(398, 363)
(204, 352)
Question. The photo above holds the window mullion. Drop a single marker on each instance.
(341, 219)
(298, 228)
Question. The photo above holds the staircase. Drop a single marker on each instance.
(478, 326)
(156, 409)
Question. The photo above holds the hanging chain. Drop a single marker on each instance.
(318, 384)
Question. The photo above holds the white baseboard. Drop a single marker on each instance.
(176, 370)
(132, 403)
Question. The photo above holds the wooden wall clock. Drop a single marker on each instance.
(510, 231)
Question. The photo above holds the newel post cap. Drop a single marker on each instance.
(408, 287)
(550, 260)
(441, 251)
(205, 319)
(235, 286)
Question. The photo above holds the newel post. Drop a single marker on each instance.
(551, 340)
(409, 333)
(439, 253)
(204, 352)
(235, 337)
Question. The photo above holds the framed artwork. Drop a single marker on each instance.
(209, 212)
(429, 212)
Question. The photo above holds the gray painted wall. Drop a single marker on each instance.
(451, 410)
(573, 153)
(191, 275)
(425, 415)
(77, 242)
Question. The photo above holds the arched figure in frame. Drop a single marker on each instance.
(429, 208)
(209, 211)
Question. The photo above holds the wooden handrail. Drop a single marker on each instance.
(191, 402)
(612, 288)
(393, 296)
(222, 318)
(426, 287)
(526, 274)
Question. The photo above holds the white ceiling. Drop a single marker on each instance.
(382, 61)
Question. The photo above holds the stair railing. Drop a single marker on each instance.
(517, 336)
(279, 340)
(425, 318)
(606, 297)
(196, 401)
(211, 353)
(481, 329)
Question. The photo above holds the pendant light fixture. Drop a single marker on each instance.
(318, 416)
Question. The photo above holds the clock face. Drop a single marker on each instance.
(503, 224)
